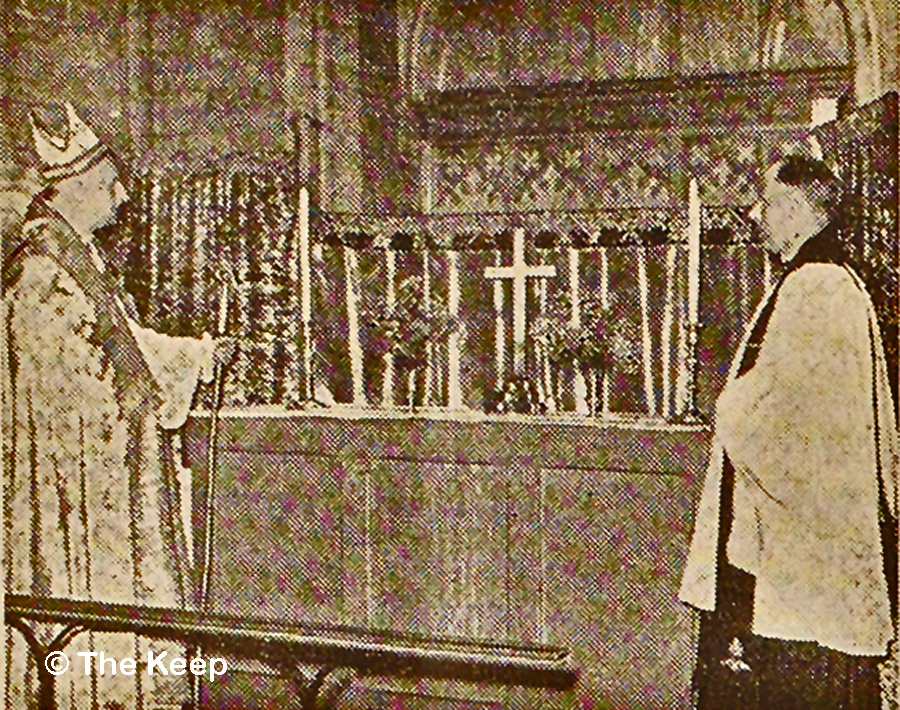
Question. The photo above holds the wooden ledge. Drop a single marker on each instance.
(468, 438)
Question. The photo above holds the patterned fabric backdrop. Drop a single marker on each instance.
(592, 172)
(601, 171)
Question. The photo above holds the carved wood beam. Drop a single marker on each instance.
(752, 98)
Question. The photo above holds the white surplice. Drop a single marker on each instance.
(810, 431)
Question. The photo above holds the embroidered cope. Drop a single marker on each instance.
(93, 508)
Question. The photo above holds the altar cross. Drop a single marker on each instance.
(519, 272)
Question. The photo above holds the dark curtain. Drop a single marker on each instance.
(864, 146)
(183, 232)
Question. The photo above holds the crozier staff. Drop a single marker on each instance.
(789, 562)
(89, 483)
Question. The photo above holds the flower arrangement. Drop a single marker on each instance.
(596, 342)
(411, 325)
(603, 340)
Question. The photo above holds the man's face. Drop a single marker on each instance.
(98, 193)
(777, 211)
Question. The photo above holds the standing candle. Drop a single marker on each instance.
(646, 341)
(303, 248)
(667, 330)
(351, 267)
(604, 304)
(546, 375)
(222, 323)
(454, 400)
(693, 252)
(305, 288)
(155, 213)
(200, 246)
(693, 290)
(387, 386)
(579, 385)
(499, 327)
(243, 188)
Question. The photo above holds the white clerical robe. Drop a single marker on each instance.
(90, 490)
(810, 432)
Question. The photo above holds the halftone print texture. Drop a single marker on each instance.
(488, 268)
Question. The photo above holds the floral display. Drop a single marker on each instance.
(413, 323)
(596, 342)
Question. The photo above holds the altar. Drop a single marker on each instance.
(504, 527)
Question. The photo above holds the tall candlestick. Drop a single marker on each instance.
(693, 290)
(387, 386)
(200, 246)
(244, 189)
(351, 267)
(454, 400)
(646, 341)
(155, 205)
(303, 248)
(520, 304)
(499, 328)
(681, 346)
(667, 330)
(693, 250)
(544, 355)
(604, 304)
(222, 323)
(305, 289)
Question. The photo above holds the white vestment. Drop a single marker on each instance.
(810, 432)
(91, 499)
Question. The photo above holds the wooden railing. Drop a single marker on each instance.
(287, 646)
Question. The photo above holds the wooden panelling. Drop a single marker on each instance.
(504, 530)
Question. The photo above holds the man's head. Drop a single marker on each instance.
(800, 197)
(94, 195)
(81, 172)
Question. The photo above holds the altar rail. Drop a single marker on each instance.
(428, 312)
(286, 646)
